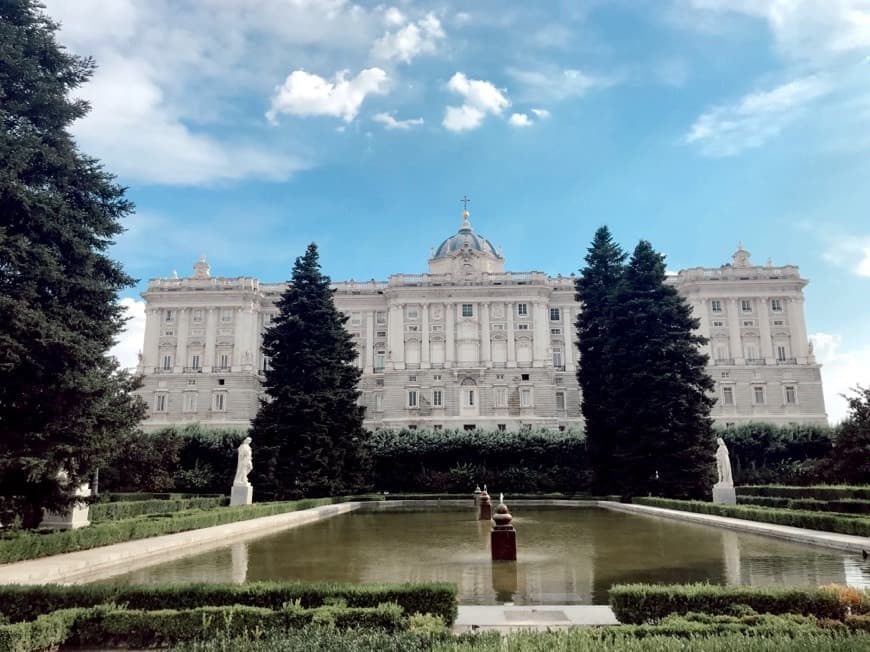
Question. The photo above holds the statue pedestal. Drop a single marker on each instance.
(724, 495)
(74, 517)
(241, 495)
(503, 542)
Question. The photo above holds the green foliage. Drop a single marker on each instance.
(27, 602)
(764, 452)
(32, 545)
(848, 506)
(595, 286)
(851, 524)
(45, 632)
(308, 430)
(114, 511)
(661, 432)
(63, 403)
(455, 461)
(850, 459)
(817, 492)
(650, 603)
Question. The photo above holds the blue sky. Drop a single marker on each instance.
(245, 130)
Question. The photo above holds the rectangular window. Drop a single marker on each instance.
(790, 395)
(523, 309)
(499, 376)
(197, 315)
(224, 362)
(758, 395)
(716, 305)
(267, 363)
(412, 398)
(381, 333)
(219, 402)
(191, 381)
(412, 312)
(727, 396)
(381, 318)
(776, 305)
(379, 402)
(524, 376)
(501, 427)
(555, 314)
(226, 314)
(555, 331)
(522, 327)
(437, 426)
(194, 361)
(167, 362)
(170, 315)
(557, 357)
(746, 305)
(413, 426)
(412, 379)
(778, 322)
(469, 427)
(437, 398)
(781, 353)
(436, 377)
(355, 319)
(525, 397)
(222, 381)
(560, 400)
(498, 327)
(190, 401)
(467, 310)
(468, 397)
(413, 328)
(160, 403)
(718, 323)
(379, 360)
(501, 397)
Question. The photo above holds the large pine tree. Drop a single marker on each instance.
(308, 430)
(61, 400)
(594, 289)
(662, 433)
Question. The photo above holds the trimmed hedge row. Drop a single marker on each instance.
(844, 506)
(819, 492)
(650, 603)
(116, 511)
(27, 602)
(127, 497)
(31, 545)
(851, 524)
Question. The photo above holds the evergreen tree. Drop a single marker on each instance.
(850, 457)
(594, 288)
(61, 400)
(308, 430)
(662, 432)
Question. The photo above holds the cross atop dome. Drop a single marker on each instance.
(466, 225)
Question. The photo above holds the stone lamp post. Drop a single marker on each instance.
(503, 538)
(485, 506)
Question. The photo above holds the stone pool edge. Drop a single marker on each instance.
(843, 542)
(106, 561)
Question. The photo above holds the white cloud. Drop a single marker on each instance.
(851, 252)
(410, 41)
(519, 120)
(390, 122)
(730, 129)
(841, 370)
(305, 94)
(554, 84)
(126, 349)
(481, 98)
(393, 17)
(543, 114)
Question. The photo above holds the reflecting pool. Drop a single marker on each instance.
(565, 555)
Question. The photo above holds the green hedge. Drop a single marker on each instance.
(649, 603)
(844, 506)
(27, 602)
(818, 492)
(851, 524)
(46, 632)
(116, 511)
(31, 545)
(127, 497)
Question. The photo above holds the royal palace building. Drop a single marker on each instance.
(469, 345)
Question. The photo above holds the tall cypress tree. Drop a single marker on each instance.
(662, 432)
(594, 288)
(308, 429)
(61, 400)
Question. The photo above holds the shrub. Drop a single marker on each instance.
(27, 602)
(46, 632)
(819, 492)
(114, 511)
(843, 506)
(649, 603)
(812, 520)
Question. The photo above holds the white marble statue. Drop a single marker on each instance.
(245, 465)
(723, 465)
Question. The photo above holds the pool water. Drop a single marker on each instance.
(564, 555)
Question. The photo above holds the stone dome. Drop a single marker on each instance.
(466, 237)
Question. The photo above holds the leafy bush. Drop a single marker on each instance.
(817, 492)
(650, 603)
(46, 632)
(32, 544)
(114, 511)
(851, 524)
(27, 602)
(844, 506)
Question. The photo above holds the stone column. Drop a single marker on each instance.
(541, 333)
(424, 337)
(181, 333)
(243, 350)
(449, 327)
(397, 335)
(798, 329)
(210, 337)
(701, 310)
(511, 348)
(568, 330)
(764, 331)
(370, 342)
(150, 352)
(485, 336)
(734, 330)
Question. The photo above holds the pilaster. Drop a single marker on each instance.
(485, 336)
(764, 331)
(370, 342)
(181, 347)
(734, 331)
(210, 338)
(450, 328)
(424, 336)
(511, 347)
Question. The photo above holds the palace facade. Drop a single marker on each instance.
(469, 345)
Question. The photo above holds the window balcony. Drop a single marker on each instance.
(787, 361)
(756, 361)
(723, 361)
(162, 370)
(193, 370)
